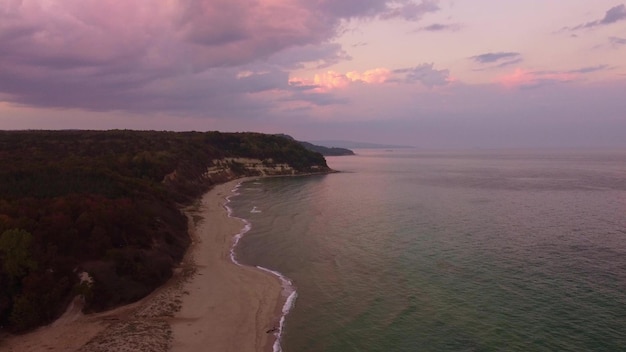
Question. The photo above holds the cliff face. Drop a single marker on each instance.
(97, 213)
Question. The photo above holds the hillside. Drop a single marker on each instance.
(98, 212)
(327, 151)
(324, 150)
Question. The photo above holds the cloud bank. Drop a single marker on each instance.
(172, 55)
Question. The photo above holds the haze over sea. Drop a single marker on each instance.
(408, 250)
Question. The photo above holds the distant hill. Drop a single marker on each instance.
(324, 150)
(359, 145)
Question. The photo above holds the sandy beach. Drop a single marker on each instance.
(210, 304)
(226, 307)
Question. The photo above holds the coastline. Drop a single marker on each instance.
(227, 306)
(210, 304)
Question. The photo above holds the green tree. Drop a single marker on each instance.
(15, 253)
(25, 314)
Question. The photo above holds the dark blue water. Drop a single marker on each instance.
(450, 251)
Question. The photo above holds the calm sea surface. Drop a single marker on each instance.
(469, 251)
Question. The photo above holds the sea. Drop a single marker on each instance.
(410, 250)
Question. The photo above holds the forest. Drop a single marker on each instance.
(98, 213)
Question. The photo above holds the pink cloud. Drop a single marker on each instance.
(330, 80)
(526, 79)
(377, 75)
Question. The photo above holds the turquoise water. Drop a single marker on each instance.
(467, 251)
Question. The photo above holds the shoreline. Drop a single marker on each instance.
(209, 304)
(227, 305)
(288, 290)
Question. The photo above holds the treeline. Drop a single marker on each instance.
(104, 205)
(326, 151)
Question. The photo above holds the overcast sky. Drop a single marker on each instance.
(433, 74)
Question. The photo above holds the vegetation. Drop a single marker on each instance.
(105, 205)
(326, 151)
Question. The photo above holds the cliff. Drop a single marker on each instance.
(97, 212)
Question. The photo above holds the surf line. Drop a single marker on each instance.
(288, 291)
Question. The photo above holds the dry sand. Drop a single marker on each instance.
(211, 304)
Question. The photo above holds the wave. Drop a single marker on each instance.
(288, 289)
(246, 228)
(289, 292)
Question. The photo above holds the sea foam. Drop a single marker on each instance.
(288, 289)
(290, 293)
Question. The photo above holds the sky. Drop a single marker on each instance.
(431, 74)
